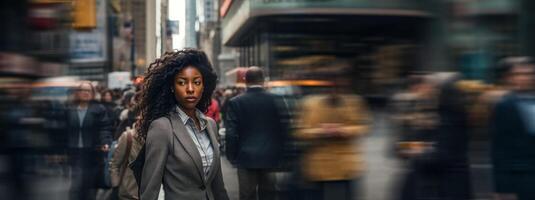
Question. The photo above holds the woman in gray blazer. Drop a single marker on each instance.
(181, 150)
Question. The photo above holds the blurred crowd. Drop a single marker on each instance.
(447, 125)
(444, 125)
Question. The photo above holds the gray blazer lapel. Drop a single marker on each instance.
(216, 163)
(183, 137)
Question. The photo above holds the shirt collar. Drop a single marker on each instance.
(255, 88)
(185, 118)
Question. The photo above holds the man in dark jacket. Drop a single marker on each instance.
(513, 133)
(256, 132)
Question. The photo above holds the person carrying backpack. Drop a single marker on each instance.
(122, 178)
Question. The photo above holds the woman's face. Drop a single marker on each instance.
(107, 97)
(188, 87)
(84, 93)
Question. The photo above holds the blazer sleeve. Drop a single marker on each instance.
(156, 152)
(218, 187)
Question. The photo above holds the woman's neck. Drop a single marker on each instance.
(189, 112)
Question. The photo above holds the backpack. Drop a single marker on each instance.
(137, 165)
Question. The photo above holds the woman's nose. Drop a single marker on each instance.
(189, 88)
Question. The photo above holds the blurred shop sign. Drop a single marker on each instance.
(119, 80)
(44, 16)
(172, 27)
(85, 14)
(90, 45)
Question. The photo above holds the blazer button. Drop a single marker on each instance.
(202, 187)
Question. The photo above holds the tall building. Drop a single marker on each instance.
(190, 24)
(209, 31)
(139, 15)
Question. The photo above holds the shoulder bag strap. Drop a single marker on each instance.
(127, 153)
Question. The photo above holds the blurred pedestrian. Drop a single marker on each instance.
(127, 116)
(483, 98)
(126, 100)
(181, 148)
(107, 96)
(255, 137)
(218, 96)
(122, 177)
(89, 134)
(213, 111)
(513, 133)
(331, 124)
(108, 101)
(434, 141)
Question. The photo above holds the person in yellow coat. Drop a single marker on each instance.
(332, 125)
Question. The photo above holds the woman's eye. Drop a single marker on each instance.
(197, 83)
(181, 83)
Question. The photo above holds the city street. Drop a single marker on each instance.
(448, 86)
(383, 170)
(380, 182)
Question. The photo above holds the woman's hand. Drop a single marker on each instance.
(105, 148)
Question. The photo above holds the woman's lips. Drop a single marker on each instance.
(191, 99)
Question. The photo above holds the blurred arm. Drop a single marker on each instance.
(105, 124)
(156, 151)
(231, 134)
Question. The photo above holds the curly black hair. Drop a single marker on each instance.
(156, 98)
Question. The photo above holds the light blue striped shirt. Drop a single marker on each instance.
(199, 137)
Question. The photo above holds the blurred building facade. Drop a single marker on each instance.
(384, 40)
(144, 27)
(482, 32)
(301, 39)
(85, 38)
(209, 31)
(293, 39)
(36, 38)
